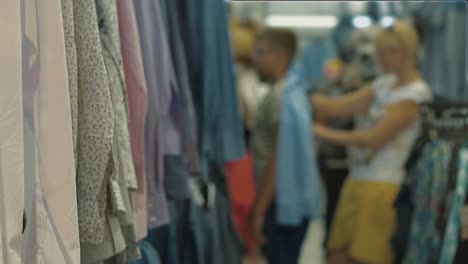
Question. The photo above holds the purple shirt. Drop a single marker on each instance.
(162, 135)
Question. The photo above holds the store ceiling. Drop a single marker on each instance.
(300, 13)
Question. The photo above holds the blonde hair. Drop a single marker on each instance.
(402, 34)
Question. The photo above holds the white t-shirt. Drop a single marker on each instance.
(387, 164)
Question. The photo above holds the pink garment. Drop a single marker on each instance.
(138, 105)
(51, 235)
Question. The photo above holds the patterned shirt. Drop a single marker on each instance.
(267, 120)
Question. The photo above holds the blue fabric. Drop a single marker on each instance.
(299, 187)
(313, 58)
(148, 255)
(163, 240)
(444, 26)
(452, 233)
(284, 243)
(213, 81)
(188, 119)
(432, 174)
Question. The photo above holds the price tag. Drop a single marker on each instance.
(464, 222)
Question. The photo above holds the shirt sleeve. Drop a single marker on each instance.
(275, 106)
(418, 93)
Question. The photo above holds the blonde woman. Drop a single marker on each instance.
(387, 124)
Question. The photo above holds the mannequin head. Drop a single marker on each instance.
(274, 51)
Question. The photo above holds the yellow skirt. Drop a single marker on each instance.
(365, 221)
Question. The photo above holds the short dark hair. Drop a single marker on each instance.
(280, 38)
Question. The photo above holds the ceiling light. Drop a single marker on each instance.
(362, 21)
(387, 21)
(302, 21)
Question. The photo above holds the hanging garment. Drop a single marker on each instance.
(213, 81)
(138, 105)
(95, 157)
(451, 238)
(188, 118)
(72, 65)
(124, 180)
(239, 175)
(110, 40)
(299, 186)
(149, 255)
(251, 92)
(178, 167)
(432, 173)
(161, 133)
(444, 29)
(55, 217)
(211, 237)
(113, 243)
(11, 134)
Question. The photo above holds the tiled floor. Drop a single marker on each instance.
(312, 252)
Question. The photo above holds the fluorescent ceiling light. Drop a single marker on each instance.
(302, 21)
(362, 21)
(387, 21)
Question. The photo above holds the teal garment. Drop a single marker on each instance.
(452, 233)
(430, 195)
(213, 81)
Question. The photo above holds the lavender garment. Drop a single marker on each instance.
(161, 132)
(138, 105)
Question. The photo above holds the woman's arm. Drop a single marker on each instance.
(397, 118)
(345, 106)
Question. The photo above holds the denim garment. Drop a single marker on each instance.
(213, 80)
(148, 254)
(162, 135)
(212, 230)
(177, 176)
(163, 241)
(284, 243)
(299, 193)
(404, 207)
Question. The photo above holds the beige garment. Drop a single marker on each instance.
(11, 133)
(251, 93)
(110, 39)
(72, 66)
(54, 218)
(95, 159)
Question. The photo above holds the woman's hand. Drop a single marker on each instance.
(320, 130)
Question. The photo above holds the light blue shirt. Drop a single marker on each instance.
(299, 188)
